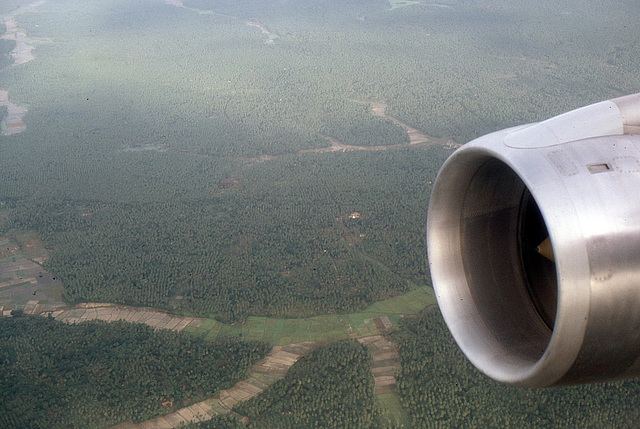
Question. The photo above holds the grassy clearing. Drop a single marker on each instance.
(22, 278)
(397, 415)
(279, 331)
(23, 244)
(31, 244)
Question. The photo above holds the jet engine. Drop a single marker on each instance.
(533, 238)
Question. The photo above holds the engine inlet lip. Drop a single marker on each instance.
(450, 283)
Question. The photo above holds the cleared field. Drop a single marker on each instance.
(110, 313)
(397, 415)
(374, 320)
(25, 285)
(23, 281)
(31, 246)
(7, 249)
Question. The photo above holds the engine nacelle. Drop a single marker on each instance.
(534, 247)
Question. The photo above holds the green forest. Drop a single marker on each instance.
(165, 169)
(4, 111)
(239, 158)
(93, 375)
(440, 388)
(6, 46)
(224, 421)
(279, 242)
(332, 387)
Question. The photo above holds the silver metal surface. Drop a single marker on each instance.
(519, 317)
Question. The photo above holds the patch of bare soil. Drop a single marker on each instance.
(386, 361)
(415, 136)
(262, 28)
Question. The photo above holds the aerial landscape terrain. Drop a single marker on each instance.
(212, 212)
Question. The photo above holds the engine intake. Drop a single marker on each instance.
(534, 247)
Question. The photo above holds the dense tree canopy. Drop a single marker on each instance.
(224, 421)
(332, 387)
(177, 157)
(166, 158)
(97, 374)
(280, 240)
(440, 388)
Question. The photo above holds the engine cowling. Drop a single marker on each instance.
(533, 238)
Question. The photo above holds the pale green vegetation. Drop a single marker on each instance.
(280, 331)
(167, 161)
(393, 411)
(402, 3)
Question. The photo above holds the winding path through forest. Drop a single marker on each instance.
(261, 27)
(273, 367)
(379, 109)
(416, 138)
